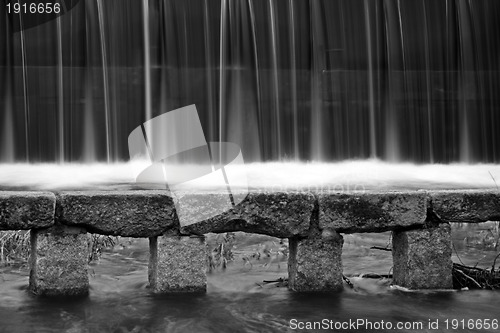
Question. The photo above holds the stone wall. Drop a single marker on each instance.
(314, 223)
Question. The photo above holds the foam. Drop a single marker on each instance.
(342, 176)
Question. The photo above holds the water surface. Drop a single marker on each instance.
(237, 299)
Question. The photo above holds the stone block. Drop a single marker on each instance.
(59, 261)
(422, 258)
(371, 212)
(177, 264)
(26, 210)
(315, 264)
(118, 213)
(466, 206)
(275, 214)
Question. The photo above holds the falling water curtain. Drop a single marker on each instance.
(399, 80)
(6, 93)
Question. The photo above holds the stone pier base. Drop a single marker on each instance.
(422, 258)
(177, 264)
(315, 264)
(58, 261)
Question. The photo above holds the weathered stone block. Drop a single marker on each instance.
(422, 258)
(58, 261)
(26, 210)
(466, 206)
(177, 264)
(315, 264)
(272, 213)
(118, 213)
(371, 212)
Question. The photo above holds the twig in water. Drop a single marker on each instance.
(275, 281)
(376, 276)
(281, 282)
(469, 278)
(381, 248)
(349, 283)
(494, 263)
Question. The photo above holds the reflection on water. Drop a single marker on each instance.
(236, 301)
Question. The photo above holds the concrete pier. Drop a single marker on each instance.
(177, 264)
(315, 264)
(422, 258)
(58, 261)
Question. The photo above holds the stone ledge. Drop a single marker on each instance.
(275, 214)
(26, 210)
(466, 206)
(118, 213)
(150, 213)
(372, 212)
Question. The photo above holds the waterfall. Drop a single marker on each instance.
(322, 80)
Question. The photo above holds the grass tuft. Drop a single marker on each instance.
(14, 246)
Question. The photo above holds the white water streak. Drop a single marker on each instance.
(343, 176)
(147, 60)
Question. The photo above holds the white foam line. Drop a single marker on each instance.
(348, 175)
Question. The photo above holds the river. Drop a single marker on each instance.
(237, 300)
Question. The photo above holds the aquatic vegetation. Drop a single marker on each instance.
(268, 253)
(475, 277)
(99, 242)
(249, 249)
(221, 252)
(14, 246)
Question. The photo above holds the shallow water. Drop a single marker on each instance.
(237, 300)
